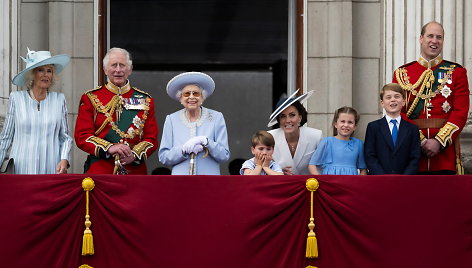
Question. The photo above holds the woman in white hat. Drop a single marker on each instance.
(194, 139)
(36, 125)
(294, 142)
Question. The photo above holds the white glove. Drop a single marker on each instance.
(200, 140)
(198, 148)
(194, 145)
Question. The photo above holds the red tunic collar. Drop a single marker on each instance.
(430, 64)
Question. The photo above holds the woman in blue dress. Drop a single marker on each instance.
(194, 140)
(341, 154)
(36, 127)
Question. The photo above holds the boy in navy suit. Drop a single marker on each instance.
(392, 144)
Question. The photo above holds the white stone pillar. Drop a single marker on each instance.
(329, 63)
(8, 51)
(71, 31)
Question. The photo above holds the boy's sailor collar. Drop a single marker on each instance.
(116, 89)
(430, 64)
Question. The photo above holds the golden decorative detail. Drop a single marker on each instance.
(444, 135)
(425, 81)
(87, 243)
(422, 136)
(311, 243)
(140, 149)
(143, 92)
(430, 64)
(85, 266)
(108, 111)
(116, 89)
(99, 143)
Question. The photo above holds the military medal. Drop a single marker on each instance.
(446, 106)
(135, 103)
(446, 91)
(440, 77)
(449, 81)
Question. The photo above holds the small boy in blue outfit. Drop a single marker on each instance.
(261, 164)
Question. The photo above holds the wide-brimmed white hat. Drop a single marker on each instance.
(190, 78)
(40, 58)
(284, 103)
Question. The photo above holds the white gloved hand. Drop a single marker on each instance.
(194, 145)
(187, 147)
(200, 140)
(197, 148)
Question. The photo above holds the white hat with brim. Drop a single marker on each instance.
(285, 103)
(190, 78)
(40, 58)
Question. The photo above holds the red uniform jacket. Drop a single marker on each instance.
(106, 117)
(441, 93)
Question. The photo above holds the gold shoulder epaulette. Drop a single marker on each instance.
(92, 90)
(406, 64)
(452, 65)
(144, 92)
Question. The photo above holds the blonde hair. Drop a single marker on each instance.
(29, 77)
(263, 137)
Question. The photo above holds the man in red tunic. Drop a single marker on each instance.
(437, 102)
(116, 123)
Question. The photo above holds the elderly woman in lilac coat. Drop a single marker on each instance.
(193, 130)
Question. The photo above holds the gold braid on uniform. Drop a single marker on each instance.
(109, 109)
(140, 149)
(426, 80)
(99, 144)
(444, 135)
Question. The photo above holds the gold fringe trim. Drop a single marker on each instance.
(311, 242)
(85, 266)
(459, 167)
(87, 243)
(309, 266)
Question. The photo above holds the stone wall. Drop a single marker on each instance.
(62, 27)
(354, 47)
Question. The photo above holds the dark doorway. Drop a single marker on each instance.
(242, 44)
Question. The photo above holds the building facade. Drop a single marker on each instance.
(350, 50)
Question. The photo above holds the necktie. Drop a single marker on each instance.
(394, 131)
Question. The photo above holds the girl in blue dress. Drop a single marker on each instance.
(341, 154)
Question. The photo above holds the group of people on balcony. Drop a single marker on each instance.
(426, 108)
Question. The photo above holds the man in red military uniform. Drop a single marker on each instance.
(116, 123)
(437, 102)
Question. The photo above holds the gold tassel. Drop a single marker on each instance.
(311, 241)
(87, 243)
(459, 167)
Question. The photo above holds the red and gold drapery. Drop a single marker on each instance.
(237, 221)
